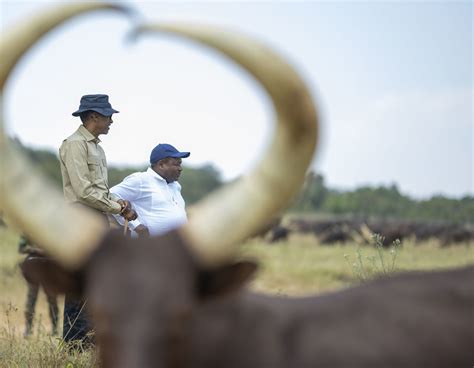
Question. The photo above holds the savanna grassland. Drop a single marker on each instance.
(297, 266)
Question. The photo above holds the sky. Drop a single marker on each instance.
(392, 81)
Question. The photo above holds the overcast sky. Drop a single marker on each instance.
(392, 80)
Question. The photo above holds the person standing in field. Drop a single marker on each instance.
(156, 193)
(85, 183)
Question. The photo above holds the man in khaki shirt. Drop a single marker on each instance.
(84, 172)
(83, 162)
(85, 182)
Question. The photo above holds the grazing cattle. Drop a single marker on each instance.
(329, 231)
(178, 300)
(277, 233)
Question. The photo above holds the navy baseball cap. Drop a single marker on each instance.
(164, 150)
(97, 103)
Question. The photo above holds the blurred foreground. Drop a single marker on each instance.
(298, 265)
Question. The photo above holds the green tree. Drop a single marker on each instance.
(197, 182)
(313, 194)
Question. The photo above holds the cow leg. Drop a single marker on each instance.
(53, 312)
(30, 307)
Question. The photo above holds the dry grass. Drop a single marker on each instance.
(294, 267)
(41, 350)
(301, 265)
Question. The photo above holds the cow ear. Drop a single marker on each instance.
(51, 276)
(225, 279)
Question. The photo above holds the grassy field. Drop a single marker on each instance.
(298, 266)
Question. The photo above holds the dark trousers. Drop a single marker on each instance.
(76, 325)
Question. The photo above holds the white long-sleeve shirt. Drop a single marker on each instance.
(159, 205)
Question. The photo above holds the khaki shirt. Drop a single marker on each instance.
(84, 172)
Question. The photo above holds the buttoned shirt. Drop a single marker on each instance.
(159, 205)
(84, 172)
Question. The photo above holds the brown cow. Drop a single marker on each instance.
(177, 300)
(163, 309)
(189, 316)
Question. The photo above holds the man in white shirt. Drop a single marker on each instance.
(155, 193)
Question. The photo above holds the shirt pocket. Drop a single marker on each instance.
(93, 162)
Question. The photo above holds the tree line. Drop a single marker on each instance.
(195, 182)
(383, 202)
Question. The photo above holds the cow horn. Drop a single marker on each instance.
(68, 234)
(228, 216)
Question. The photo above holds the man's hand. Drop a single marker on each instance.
(124, 204)
(127, 212)
(142, 231)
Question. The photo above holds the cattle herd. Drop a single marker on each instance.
(179, 300)
(331, 231)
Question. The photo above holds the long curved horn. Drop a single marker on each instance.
(68, 234)
(231, 214)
